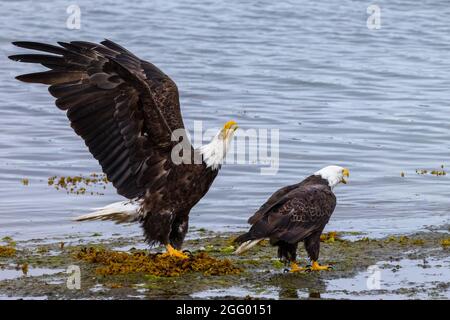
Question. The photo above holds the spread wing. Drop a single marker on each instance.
(296, 215)
(124, 108)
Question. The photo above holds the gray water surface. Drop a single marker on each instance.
(375, 101)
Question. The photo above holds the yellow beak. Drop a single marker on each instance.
(230, 125)
(345, 173)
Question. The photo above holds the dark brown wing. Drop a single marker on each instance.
(279, 195)
(124, 108)
(298, 214)
(274, 198)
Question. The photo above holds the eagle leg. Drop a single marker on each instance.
(317, 267)
(296, 268)
(171, 251)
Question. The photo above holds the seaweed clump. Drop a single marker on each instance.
(434, 172)
(79, 184)
(330, 237)
(404, 240)
(445, 243)
(7, 251)
(161, 265)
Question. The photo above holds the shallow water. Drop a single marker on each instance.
(375, 101)
(14, 273)
(405, 279)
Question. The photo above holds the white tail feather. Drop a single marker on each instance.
(247, 245)
(125, 211)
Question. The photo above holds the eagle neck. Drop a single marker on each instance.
(331, 182)
(214, 153)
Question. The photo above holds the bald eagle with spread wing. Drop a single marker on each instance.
(126, 110)
(295, 213)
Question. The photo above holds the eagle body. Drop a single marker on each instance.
(126, 111)
(293, 214)
(165, 214)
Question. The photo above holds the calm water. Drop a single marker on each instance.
(375, 101)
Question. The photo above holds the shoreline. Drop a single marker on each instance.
(414, 267)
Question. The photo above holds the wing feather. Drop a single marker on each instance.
(296, 214)
(124, 108)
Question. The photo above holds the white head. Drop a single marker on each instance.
(334, 175)
(214, 152)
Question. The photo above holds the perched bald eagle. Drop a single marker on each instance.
(126, 110)
(295, 213)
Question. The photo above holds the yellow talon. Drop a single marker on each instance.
(171, 251)
(296, 268)
(317, 267)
